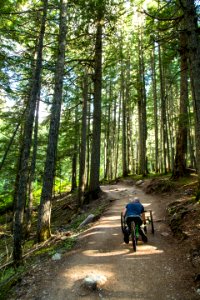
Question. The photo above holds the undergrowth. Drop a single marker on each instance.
(9, 275)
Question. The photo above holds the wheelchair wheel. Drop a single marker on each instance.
(151, 221)
(122, 223)
(133, 236)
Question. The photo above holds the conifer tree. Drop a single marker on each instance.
(26, 146)
(44, 214)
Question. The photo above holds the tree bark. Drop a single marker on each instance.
(193, 44)
(154, 83)
(114, 142)
(108, 145)
(128, 118)
(118, 138)
(142, 113)
(44, 214)
(26, 146)
(75, 152)
(94, 187)
(191, 142)
(181, 144)
(124, 123)
(163, 113)
(32, 173)
(82, 158)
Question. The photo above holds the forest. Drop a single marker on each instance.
(91, 91)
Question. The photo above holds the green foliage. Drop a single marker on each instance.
(68, 244)
(78, 220)
(9, 277)
(9, 272)
(99, 210)
(50, 250)
(197, 197)
(60, 246)
(5, 205)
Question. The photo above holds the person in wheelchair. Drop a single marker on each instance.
(134, 210)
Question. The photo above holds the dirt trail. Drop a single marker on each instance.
(158, 270)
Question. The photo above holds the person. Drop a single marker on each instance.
(135, 210)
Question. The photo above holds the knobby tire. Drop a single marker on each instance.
(122, 223)
(152, 224)
(133, 236)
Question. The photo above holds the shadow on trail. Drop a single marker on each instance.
(148, 274)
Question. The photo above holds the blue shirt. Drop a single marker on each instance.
(134, 209)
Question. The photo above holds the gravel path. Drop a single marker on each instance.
(158, 270)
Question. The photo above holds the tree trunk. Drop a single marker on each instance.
(163, 112)
(118, 139)
(193, 44)
(107, 138)
(191, 143)
(167, 133)
(26, 146)
(154, 82)
(44, 214)
(82, 157)
(142, 113)
(114, 142)
(32, 173)
(124, 126)
(96, 136)
(88, 146)
(75, 152)
(181, 144)
(128, 117)
(74, 166)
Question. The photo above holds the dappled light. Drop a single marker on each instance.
(116, 189)
(142, 250)
(126, 274)
(145, 250)
(99, 253)
(100, 258)
(92, 233)
(146, 204)
(111, 218)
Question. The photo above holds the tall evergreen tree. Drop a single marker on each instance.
(82, 162)
(181, 143)
(44, 214)
(26, 146)
(96, 135)
(193, 46)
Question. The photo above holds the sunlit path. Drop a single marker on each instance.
(150, 273)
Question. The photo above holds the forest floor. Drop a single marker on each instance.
(167, 267)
